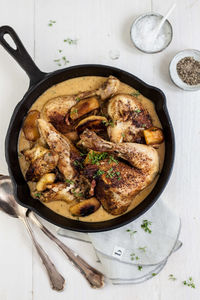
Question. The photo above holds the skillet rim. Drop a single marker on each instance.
(121, 220)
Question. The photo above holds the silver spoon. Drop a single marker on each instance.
(8, 204)
(11, 207)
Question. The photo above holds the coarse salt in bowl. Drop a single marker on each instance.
(143, 33)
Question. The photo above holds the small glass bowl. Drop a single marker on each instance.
(147, 15)
(173, 71)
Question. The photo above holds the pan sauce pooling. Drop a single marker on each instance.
(110, 171)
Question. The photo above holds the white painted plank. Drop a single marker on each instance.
(15, 247)
(101, 26)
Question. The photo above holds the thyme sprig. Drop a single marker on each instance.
(189, 283)
(132, 232)
(145, 225)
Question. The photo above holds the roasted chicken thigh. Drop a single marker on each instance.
(118, 182)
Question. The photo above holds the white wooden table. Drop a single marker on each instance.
(102, 26)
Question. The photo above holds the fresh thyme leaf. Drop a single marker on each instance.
(145, 225)
(111, 173)
(154, 274)
(132, 232)
(56, 60)
(59, 51)
(95, 158)
(70, 41)
(98, 173)
(66, 61)
(135, 94)
(140, 268)
(78, 164)
(74, 111)
(137, 111)
(69, 181)
(142, 249)
(77, 195)
(189, 283)
(51, 22)
(171, 277)
(83, 154)
(109, 123)
(38, 195)
(134, 257)
(111, 158)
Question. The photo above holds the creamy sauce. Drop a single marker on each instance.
(74, 86)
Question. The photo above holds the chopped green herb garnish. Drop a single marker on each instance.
(77, 195)
(144, 125)
(98, 173)
(135, 94)
(78, 99)
(57, 60)
(171, 277)
(95, 158)
(140, 268)
(111, 173)
(123, 134)
(51, 22)
(132, 232)
(145, 225)
(112, 159)
(69, 181)
(70, 41)
(74, 111)
(78, 164)
(142, 249)
(83, 154)
(137, 111)
(154, 274)
(189, 283)
(38, 195)
(59, 51)
(109, 123)
(20, 154)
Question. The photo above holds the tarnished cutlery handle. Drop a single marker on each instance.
(93, 276)
(56, 279)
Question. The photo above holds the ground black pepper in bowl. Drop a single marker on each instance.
(188, 70)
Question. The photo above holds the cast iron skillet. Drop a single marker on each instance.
(40, 82)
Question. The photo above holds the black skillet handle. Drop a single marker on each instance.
(21, 55)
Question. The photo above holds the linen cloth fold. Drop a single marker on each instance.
(137, 251)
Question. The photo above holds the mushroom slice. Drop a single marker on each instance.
(85, 207)
(30, 128)
(44, 181)
(153, 135)
(94, 123)
(83, 107)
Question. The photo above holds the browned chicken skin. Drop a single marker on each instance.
(119, 183)
(41, 160)
(55, 110)
(129, 118)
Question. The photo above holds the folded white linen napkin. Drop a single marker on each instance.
(138, 251)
